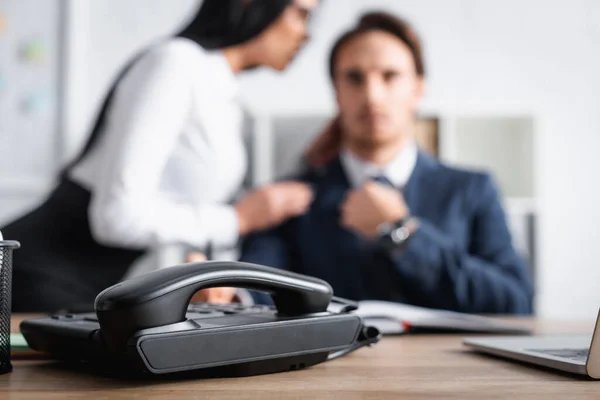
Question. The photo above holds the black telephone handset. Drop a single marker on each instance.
(162, 297)
(147, 325)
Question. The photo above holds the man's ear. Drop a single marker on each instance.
(337, 95)
(420, 89)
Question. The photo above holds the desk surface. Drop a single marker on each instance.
(408, 367)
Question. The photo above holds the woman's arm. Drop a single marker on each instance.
(148, 113)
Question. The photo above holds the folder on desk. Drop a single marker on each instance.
(20, 350)
(397, 318)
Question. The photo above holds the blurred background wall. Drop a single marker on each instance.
(513, 87)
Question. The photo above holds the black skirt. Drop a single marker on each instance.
(59, 265)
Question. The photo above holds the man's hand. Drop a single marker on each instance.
(219, 295)
(271, 205)
(365, 209)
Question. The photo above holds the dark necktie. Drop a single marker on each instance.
(382, 180)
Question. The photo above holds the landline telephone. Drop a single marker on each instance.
(145, 325)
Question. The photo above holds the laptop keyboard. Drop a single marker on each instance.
(571, 354)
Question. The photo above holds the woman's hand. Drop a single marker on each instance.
(326, 146)
(271, 205)
(219, 295)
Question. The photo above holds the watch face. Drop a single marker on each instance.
(399, 235)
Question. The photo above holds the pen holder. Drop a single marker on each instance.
(6, 250)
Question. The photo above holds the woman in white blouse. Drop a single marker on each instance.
(164, 161)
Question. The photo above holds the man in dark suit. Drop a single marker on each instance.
(388, 221)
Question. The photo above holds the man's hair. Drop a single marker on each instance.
(328, 144)
(381, 22)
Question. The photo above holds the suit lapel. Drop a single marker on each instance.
(331, 186)
(415, 191)
(345, 252)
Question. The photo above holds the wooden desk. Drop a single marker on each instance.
(409, 367)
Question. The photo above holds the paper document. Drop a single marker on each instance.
(395, 318)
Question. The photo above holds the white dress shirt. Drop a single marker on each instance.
(172, 154)
(397, 171)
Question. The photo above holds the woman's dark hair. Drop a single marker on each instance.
(223, 23)
(383, 22)
(217, 24)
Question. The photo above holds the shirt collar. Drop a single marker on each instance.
(397, 171)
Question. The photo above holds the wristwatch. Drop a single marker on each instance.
(395, 236)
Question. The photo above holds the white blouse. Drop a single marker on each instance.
(172, 154)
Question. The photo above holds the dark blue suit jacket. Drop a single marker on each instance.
(461, 258)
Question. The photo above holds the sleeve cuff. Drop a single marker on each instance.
(245, 297)
(423, 254)
(221, 226)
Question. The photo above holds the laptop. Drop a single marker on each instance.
(577, 354)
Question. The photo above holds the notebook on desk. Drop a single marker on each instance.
(397, 318)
